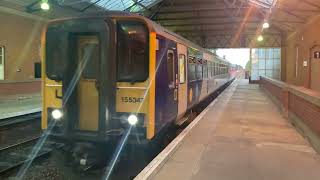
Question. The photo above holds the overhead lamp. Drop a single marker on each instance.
(260, 38)
(265, 25)
(45, 5)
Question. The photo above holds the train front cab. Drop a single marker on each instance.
(96, 74)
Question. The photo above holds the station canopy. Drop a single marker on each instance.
(209, 23)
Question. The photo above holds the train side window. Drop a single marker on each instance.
(191, 69)
(170, 67)
(182, 68)
(209, 70)
(205, 71)
(199, 71)
(212, 69)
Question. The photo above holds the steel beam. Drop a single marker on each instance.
(197, 23)
(212, 17)
(155, 12)
(292, 14)
(206, 8)
(177, 9)
(90, 5)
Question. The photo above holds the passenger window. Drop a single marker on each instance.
(191, 68)
(212, 69)
(89, 55)
(199, 71)
(209, 69)
(170, 67)
(205, 70)
(182, 68)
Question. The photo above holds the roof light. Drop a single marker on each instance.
(265, 25)
(45, 5)
(260, 38)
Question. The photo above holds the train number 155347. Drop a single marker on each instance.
(131, 99)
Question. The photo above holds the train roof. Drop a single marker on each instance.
(156, 27)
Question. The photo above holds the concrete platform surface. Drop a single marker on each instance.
(20, 104)
(242, 137)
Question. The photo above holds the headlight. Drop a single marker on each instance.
(132, 119)
(56, 114)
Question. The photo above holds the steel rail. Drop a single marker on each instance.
(11, 166)
(7, 122)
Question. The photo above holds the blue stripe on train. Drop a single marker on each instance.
(166, 108)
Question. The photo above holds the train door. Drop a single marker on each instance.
(182, 88)
(315, 69)
(172, 93)
(87, 91)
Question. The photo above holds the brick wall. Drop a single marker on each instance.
(306, 111)
(296, 102)
(12, 88)
(20, 38)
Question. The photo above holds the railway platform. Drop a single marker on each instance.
(241, 135)
(20, 104)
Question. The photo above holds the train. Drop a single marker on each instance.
(104, 73)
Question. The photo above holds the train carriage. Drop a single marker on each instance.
(107, 72)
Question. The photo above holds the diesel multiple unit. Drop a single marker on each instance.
(105, 73)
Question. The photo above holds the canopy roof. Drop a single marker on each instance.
(210, 23)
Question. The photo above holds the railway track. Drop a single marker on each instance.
(12, 121)
(19, 136)
(15, 155)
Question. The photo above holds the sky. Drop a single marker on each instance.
(235, 56)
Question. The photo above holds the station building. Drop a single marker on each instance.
(302, 56)
(20, 56)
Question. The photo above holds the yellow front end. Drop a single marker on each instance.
(136, 98)
(140, 97)
(50, 89)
